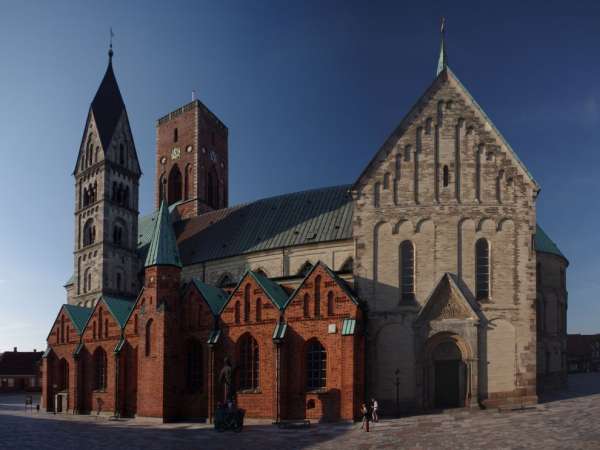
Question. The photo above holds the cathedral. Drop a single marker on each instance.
(426, 283)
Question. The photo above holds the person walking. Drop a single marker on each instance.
(375, 407)
(366, 413)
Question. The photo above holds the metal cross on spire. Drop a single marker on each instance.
(110, 49)
(443, 59)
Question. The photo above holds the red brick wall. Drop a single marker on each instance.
(206, 137)
(340, 399)
(156, 385)
(261, 402)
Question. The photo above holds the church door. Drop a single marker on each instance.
(447, 384)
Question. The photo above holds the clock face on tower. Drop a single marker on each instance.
(175, 153)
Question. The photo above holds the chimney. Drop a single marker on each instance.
(15, 349)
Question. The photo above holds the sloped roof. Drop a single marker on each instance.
(214, 296)
(107, 106)
(163, 249)
(19, 363)
(79, 316)
(544, 244)
(318, 215)
(119, 307)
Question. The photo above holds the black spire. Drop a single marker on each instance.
(108, 105)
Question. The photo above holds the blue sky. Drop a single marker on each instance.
(309, 91)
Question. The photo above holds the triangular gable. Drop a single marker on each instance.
(445, 76)
(214, 297)
(340, 282)
(77, 315)
(274, 292)
(119, 308)
(447, 301)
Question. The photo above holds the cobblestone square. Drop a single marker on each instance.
(566, 420)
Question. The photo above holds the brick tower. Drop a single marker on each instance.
(107, 176)
(192, 161)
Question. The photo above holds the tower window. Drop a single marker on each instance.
(89, 233)
(175, 135)
(446, 176)
(174, 187)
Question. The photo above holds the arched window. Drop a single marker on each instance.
(318, 296)
(237, 312)
(446, 176)
(105, 328)
(95, 334)
(174, 189)
(407, 268)
(100, 369)
(247, 303)
(118, 234)
(67, 334)
(175, 135)
(194, 366)
(249, 362)
(306, 305)
(348, 265)
(316, 366)
(89, 232)
(258, 310)
(330, 308)
(63, 381)
(87, 279)
(148, 349)
(376, 194)
(482, 269)
(261, 272)
(100, 323)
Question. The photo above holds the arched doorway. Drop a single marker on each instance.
(448, 368)
(446, 372)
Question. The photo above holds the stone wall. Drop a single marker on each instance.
(443, 180)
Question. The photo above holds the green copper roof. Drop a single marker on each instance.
(163, 249)
(544, 244)
(279, 331)
(119, 345)
(78, 349)
(213, 337)
(215, 297)
(79, 316)
(274, 291)
(120, 308)
(348, 327)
